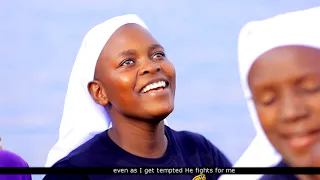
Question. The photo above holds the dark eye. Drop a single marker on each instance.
(127, 62)
(159, 55)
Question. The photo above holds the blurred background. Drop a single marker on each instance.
(39, 41)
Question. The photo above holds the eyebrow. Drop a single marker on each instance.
(153, 47)
(129, 52)
(132, 52)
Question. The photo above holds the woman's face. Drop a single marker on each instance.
(285, 86)
(134, 76)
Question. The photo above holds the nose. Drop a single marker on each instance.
(149, 67)
(292, 108)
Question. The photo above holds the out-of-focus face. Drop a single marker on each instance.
(285, 86)
(134, 76)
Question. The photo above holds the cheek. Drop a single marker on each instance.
(169, 69)
(268, 121)
(120, 86)
(267, 118)
(123, 81)
(314, 105)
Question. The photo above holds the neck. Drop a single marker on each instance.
(139, 137)
(308, 177)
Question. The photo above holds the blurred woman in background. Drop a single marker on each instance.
(279, 61)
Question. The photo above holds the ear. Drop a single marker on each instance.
(98, 93)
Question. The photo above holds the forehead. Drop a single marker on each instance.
(129, 36)
(283, 63)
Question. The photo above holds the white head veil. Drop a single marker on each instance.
(82, 118)
(295, 28)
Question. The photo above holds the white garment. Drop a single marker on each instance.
(82, 118)
(256, 38)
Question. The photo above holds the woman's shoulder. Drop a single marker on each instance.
(197, 143)
(281, 164)
(9, 159)
(88, 154)
(191, 139)
(279, 176)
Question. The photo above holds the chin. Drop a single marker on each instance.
(294, 159)
(159, 112)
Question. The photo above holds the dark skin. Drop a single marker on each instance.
(288, 102)
(130, 60)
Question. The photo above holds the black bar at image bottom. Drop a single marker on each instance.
(159, 170)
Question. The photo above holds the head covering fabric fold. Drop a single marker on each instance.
(82, 118)
(256, 38)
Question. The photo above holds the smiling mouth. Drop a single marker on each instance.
(303, 140)
(156, 86)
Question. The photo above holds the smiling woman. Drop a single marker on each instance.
(279, 62)
(130, 83)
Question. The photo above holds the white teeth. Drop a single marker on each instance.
(154, 86)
